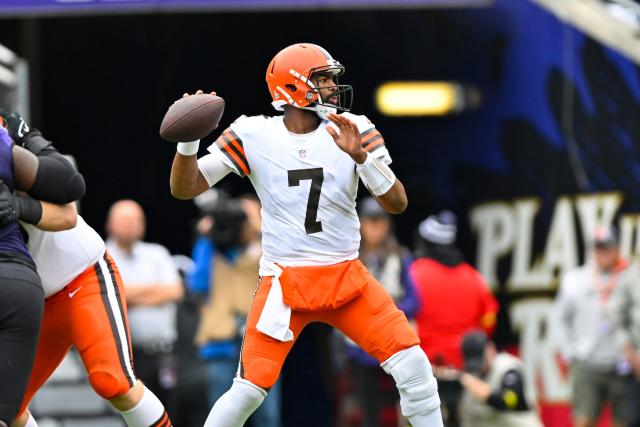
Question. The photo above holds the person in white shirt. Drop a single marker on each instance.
(583, 329)
(152, 287)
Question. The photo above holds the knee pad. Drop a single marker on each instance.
(108, 386)
(411, 370)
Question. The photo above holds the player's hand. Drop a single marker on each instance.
(198, 92)
(9, 211)
(16, 126)
(348, 140)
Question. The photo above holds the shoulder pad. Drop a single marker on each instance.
(249, 124)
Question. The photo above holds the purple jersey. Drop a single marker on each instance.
(11, 240)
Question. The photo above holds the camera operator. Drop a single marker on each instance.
(227, 253)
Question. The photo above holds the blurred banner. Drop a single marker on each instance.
(40, 7)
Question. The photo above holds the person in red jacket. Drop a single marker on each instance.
(454, 299)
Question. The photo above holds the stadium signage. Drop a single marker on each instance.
(506, 237)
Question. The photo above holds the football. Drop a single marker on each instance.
(192, 118)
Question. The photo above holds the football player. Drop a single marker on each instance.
(21, 295)
(84, 307)
(305, 166)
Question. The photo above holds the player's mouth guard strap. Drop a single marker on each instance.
(276, 315)
(188, 148)
(376, 175)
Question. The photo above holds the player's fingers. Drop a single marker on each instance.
(343, 120)
(199, 92)
(333, 133)
(213, 93)
(334, 118)
(184, 95)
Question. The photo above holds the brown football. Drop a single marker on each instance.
(191, 118)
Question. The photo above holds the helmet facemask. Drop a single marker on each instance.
(343, 93)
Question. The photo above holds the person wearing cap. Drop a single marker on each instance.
(496, 390)
(454, 297)
(389, 263)
(582, 328)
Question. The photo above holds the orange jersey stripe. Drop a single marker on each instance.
(377, 144)
(238, 161)
(232, 147)
(369, 135)
(237, 145)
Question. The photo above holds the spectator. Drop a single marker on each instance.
(389, 263)
(582, 330)
(227, 254)
(152, 286)
(454, 299)
(496, 392)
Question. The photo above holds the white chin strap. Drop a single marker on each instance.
(322, 110)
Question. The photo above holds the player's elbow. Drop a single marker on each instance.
(398, 204)
(180, 192)
(398, 208)
(69, 217)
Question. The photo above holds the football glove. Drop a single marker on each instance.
(16, 126)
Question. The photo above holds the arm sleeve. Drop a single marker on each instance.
(57, 180)
(202, 254)
(214, 168)
(619, 310)
(561, 318)
(510, 396)
(410, 304)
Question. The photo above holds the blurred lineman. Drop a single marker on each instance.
(389, 263)
(455, 299)
(45, 176)
(85, 308)
(152, 286)
(582, 329)
(305, 167)
(496, 392)
(227, 255)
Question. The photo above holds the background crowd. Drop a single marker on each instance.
(187, 318)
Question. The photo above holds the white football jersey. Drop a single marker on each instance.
(306, 184)
(62, 255)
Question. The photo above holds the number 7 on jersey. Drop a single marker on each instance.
(316, 176)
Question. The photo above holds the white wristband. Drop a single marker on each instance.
(188, 148)
(376, 175)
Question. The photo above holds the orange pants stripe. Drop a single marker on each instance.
(371, 320)
(91, 314)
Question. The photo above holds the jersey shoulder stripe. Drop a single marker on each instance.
(371, 140)
(231, 145)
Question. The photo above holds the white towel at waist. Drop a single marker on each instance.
(276, 315)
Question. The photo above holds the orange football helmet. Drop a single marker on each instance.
(289, 79)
